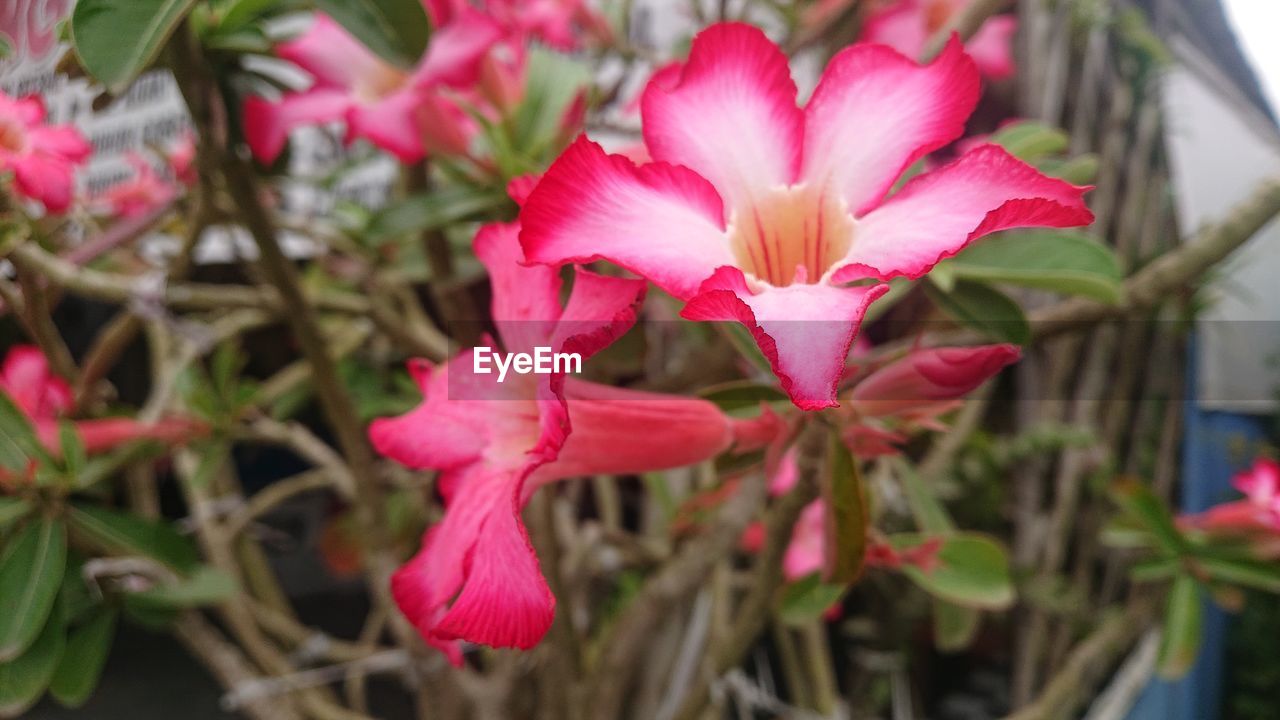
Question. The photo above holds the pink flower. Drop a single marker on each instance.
(32, 26)
(137, 195)
(1258, 513)
(181, 157)
(42, 158)
(758, 211)
(561, 24)
(44, 398)
(476, 577)
(923, 379)
(907, 25)
(400, 112)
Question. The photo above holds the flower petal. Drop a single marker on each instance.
(657, 220)
(992, 47)
(333, 57)
(26, 377)
(267, 123)
(804, 330)
(454, 53)
(600, 309)
(732, 116)
(64, 141)
(391, 123)
(48, 179)
(937, 214)
(525, 302)
(875, 112)
(925, 377)
(438, 434)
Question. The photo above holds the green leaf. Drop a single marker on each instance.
(984, 309)
(122, 533)
(553, 81)
(1245, 572)
(807, 599)
(430, 211)
(1030, 141)
(954, 626)
(1057, 260)
(205, 586)
(18, 443)
(397, 30)
(845, 497)
(74, 457)
(1137, 499)
(736, 395)
(29, 578)
(1079, 170)
(930, 516)
(83, 659)
(117, 39)
(972, 571)
(24, 679)
(12, 509)
(240, 13)
(1180, 641)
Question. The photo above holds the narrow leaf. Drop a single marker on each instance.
(24, 679)
(12, 509)
(121, 533)
(83, 659)
(1180, 642)
(206, 586)
(807, 599)
(845, 523)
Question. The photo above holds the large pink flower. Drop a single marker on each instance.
(476, 577)
(906, 25)
(761, 212)
(400, 112)
(1258, 512)
(42, 158)
(45, 398)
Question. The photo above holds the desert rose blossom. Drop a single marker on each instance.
(476, 577)
(43, 158)
(45, 398)
(907, 25)
(757, 211)
(404, 113)
(1257, 514)
(138, 194)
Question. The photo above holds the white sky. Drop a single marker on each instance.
(1257, 23)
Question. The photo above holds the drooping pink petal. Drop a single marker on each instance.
(731, 117)
(992, 47)
(935, 215)
(504, 600)
(525, 303)
(267, 123)
(25, 376)
(437, 434)
(875, 112)
(600, 310)
(46, 178)
(804, 330)
(658, 220)
(63, 141)
(454, 53)
(924, 377)
(806, 552)
(391, 123)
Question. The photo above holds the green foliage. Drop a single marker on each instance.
(1180, 638)
(24, 679)
(128, 534)
(845, 498)
(83, 659)
(747, 396)
(808, 599)
(30, 574)
(432, 210)
(973, 570)
(982, 308)
(1063, 261)
(397, 30)
(117, 39)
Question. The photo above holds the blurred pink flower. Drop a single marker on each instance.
(42, 158)
(1257, 513)
(32, 26)
(44, 398)
(906, 25)
(401, 112)
(142, 192)
(761, 212)
(477, 577)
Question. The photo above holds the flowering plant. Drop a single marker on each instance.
(713, 386)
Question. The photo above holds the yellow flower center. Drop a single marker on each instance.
(791, 234)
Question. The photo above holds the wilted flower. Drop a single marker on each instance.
(42, 158)
(760, 212)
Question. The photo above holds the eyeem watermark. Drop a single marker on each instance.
(541, 362)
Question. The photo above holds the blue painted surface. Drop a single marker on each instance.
(1216, 445)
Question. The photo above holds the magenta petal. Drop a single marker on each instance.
(440, 433)
(660, 221)
(526, 298)
(267, 124)
(937, 214)
(805, 331)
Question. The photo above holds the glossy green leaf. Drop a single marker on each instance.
(24, 679)
(1180, 640)
(844, 496)
(83, 659)
(972, 571)
(74, 457)
(1057, 260)
(397, 30)
(984, 309)
(205, 586)
(807, 600)
(18, 444)
(123, 533)
(1079, 170)
(738, 395)
(431, 211)
(12, 509)
(30, 574)
(117, 39)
